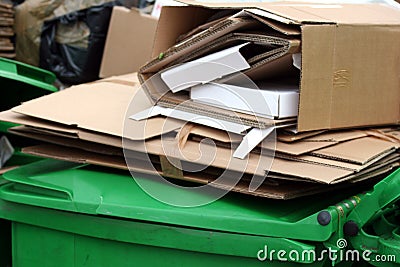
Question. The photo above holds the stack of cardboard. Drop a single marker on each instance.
(346, 130)
(90, 123)
(6, 29)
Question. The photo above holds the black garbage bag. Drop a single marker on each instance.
(72, 45)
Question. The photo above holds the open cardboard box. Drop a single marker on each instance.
(349, 68)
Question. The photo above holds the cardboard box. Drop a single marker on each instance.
(349, 68)
(129, 42)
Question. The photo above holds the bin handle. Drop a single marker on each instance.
(25, 185)
(28, 71)
(40, 196)
(385, 193)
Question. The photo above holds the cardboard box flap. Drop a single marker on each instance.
(307, 171)
(372, 170)
(278, 25)
(36, 125)
(75, 155)
(300, 148)
(100, 107)
(288, 136)
(337, 136)
(49, 137)
(17, 118)
(335, 163)
(358, 151)
(130, 79)
(343, 13)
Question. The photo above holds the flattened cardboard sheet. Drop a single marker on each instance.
(269, 190)
(99, 107)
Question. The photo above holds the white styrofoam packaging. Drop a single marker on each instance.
(272, 101)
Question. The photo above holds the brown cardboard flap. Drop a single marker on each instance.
(39, 127)
(307, 171)
(75, 155)
(174, 22)
(385, 165)
(319, 141)
(343, 13)
(337, 136)
(95, 147)
(17, 118)
(335, 163)
(288, 137)
(287, 29)
(358, 151)
(100, 107)
(300, 148)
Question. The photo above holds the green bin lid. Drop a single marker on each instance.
(22, 82)
(102, 191)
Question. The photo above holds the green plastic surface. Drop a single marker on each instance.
(91, 217)
(17, 159)
(47, 237)
(66, 214)
(21, 82)
(90, 190)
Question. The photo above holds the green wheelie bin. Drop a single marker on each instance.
(19, 82)
(66, 214)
